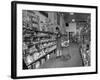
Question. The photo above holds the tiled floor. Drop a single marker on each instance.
(70, 58)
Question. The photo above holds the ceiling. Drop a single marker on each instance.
(78, 17)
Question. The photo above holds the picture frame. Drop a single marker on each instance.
(17, 70)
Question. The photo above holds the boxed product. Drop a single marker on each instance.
(37, 64)
(48, 57)
(29, 59)
(42, 60)
(36, 55)
(32, 49)
(33, 66)
(29, 67)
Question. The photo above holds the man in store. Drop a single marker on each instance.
(58, 38)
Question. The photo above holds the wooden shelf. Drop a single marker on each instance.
(43, 42)
(41, 57)
(46, 32)
(42, 49)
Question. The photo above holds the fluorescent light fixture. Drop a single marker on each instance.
(71, 13)
(73, 20)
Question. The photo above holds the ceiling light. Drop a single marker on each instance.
(71, 13)
(73, 20)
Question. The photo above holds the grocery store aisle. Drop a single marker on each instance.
(70, 58)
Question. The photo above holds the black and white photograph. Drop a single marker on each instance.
(56, 39)
(53, 39)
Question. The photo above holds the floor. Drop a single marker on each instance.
(70, 58)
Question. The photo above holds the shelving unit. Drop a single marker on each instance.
(44, 56)
(85, 44)
(39, 53)
(85, 53)
(37, 45)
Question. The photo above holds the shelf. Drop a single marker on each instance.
(43, 42)
(41, 57)
(46, 32)
(31, 31)
(42, 49)
(85, 55)
(36, 43)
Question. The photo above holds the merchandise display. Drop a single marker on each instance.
(85, 52)
(85, 41)
(65, 43)
(39, 44)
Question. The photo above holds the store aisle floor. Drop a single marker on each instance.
(70, 58)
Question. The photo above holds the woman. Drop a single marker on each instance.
(58, 38)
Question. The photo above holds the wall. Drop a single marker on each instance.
(5, 40)
(62, 24)
(52, 16)
(71, 28)
(42, 18)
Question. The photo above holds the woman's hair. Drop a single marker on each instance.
(57, 28)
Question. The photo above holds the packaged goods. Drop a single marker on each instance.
(36, 55)
(37, 64)
(42, 60)
(29, 59)
(48, 56)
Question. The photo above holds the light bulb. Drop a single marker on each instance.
(71, 13)
(73, 20)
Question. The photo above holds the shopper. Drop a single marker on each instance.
(58, 38)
